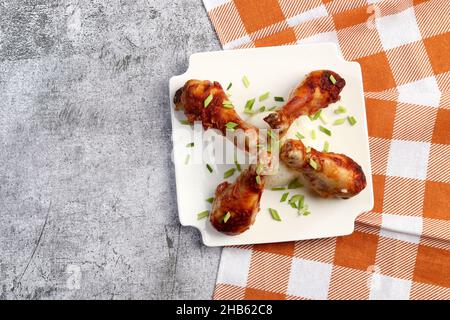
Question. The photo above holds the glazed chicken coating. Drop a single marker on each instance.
(335, 175)
(191, 98)
(240, 199)
(317, 91)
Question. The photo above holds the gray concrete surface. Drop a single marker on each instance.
(87, 191)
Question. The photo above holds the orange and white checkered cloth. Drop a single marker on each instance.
(400, 249)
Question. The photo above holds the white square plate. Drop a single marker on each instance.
(278, 70)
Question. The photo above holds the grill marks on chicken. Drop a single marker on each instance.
(317, 91)
(240, 199)
(334, 175)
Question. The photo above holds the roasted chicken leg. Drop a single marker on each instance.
(235, 205)
(317, 91)
(328, 174)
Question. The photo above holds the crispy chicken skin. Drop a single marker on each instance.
(336, 175)
(241, 199)
(191, 98)
(317, 91)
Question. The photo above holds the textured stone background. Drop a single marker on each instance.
(87, 191)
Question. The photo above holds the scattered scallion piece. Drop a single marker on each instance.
(262, 109)
(186, 160)
(264, 96)
(185, 122)
(273, 108)
(323, 118)
(284, 197)
(226, 217)
(259, 168)
(340, 110)
(238, 166)
(258, 179)
(313, 134)
(227, 104)
(278, 188)
(313, 164)
(301, 202)
(299, 136)
(231, 125)
(294, 184)
(248, 106)
(274, 214)
(325, 130)
(272, 134)
(190, 145)
(338, 122)
(279, 99)
(210, 169)
(210, 200)
(208, 100)
(245, 81)
(202, 214)
(308, 150)
(229, 86)
(229, 173)
(326, 146)
(316, 115)
(332, 79)
(351, 120)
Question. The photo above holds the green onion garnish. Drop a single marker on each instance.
(210, 169)
(278, 188)
(284, 197)
(259, 168)
(338, 122)
(186, 160)
(316, 115)
(248, 106)
(273, 108)
(313, 164)
(352, 120)
(332, 79)
(262, 109)
(274, 214)
(210, 200)
(301, 202)
(190, 145)
(185, 122)
(279, 99)
(238, 166)
(258, 179)
(340, 110)
(245, 81)
(208, 100)
(294, 184)
(299, 136)
(326, 146)
(325, 130)
(308, 150)
(229, 86)
(272, 134)
(227, 104)
(231, 125)
(264, 96)
(226, 217)
(229, 173)
(313, 134)
(202, 214)
(323, 119)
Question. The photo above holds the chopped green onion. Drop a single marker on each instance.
(313, 134)
(316, 115)
(274, 214)
(323, 119)
(229, 173)
(325, 130)
(231, 125)
(210, 169)
(208, 100)
(352, 120)
(258, 179)
(338, 122)
(306, 213)
(278, 188)
(299, 136)
(262, 109)
(284, 197)
(210, 200)
(202, 214)
(248, 106)
(264, 96)
(326, 146)
(227, 104)
(185, 122)
(308, 150)
(226, 217)
(245, 81)
(340, 110)
(294, 184)
(279, 99)
(259, 169)
(332, 79)
(301, 202)
(273, 108)
(238, 166)
(272, 134)
(186, 160)
(229, 86)
(190, 145)
(313, 164)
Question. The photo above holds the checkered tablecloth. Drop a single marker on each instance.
(401, 249)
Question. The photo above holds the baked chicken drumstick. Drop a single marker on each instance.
(328, 174)
(317, 91)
